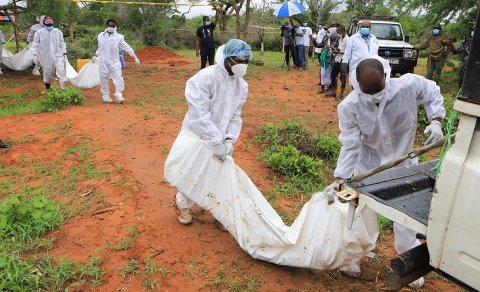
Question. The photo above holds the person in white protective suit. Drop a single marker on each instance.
(360, 46)
(2, 44)
(378, 122)
(31, 35)
(109, 43)
(50, 53)
(215, 98)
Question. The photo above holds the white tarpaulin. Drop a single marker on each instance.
(18, 62)
(318, 238)
(87, 78)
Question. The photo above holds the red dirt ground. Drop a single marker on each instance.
(137, 136)
(157, 55)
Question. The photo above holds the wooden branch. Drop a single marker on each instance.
(417, 152)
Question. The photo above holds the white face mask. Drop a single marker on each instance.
(110, 29)
(374, 98)
(239, 70)
(471, 34)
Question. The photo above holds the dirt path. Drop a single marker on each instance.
(136, 138)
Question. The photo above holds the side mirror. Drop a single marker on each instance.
(407, 39)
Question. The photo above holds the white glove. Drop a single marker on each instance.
(329, 191)
(229, 147)
(36, 60)
(219, 151)
(136, 60)
(435, 128)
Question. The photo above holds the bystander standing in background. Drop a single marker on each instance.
(205, 45)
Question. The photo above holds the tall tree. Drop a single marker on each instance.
(366, 8)
(321, 10)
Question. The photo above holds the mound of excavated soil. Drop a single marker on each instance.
(158, 55)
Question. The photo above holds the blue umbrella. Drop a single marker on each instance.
(288, 9)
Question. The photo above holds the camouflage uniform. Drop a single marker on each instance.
(464, 51)
(439, 46)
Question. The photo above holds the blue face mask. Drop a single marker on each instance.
(364, 31)
(436, 31)
(207, 23)
(49, 28)
(305, 24)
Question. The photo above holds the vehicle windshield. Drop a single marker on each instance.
(386, 31)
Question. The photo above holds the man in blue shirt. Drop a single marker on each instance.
(205, 45)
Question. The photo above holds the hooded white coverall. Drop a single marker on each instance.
(110, 66)
(30, 38)
(33, 30)
(215, 101)
(50, 48)
(2, 41)
(357, 50)
(372, 135)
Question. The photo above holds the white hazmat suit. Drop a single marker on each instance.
(50, 51)
(2, 43)
(30, 38)
(110, 66)
(215, 101)
(357, 50)
(372, 135)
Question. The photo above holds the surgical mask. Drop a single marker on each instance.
(320, 27)
(364, 31)
(471, 34)
(436, 31)
(239, 70)
(110, 29)
(207, 23)
(49, 28)
(374, 98)
(305, 24)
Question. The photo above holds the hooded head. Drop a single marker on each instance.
(373, 75)
(332, 31)
(40, 19)
(236, 55)
(48, 22)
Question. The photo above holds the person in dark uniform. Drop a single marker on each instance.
(464, 51)
(205, 46)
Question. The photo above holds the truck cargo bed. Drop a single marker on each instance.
(406, 189)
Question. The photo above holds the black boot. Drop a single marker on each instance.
(47, 86)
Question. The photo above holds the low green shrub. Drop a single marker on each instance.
(289, 162)
(325, 146)
(22, 220)
(54, 100)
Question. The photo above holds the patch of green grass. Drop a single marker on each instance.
(22, 220)
(31, 102)
(55, 100)
(235, 284)
(125, 243)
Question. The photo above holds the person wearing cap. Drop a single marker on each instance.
(31, 34)
(109, 43)
(204, 44)
(2, 44)
(438, 45)
(464, 52)
(215, 98)
(50, 53)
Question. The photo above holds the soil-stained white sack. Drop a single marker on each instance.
(18, 62)
(87, 78)
(318, 238)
